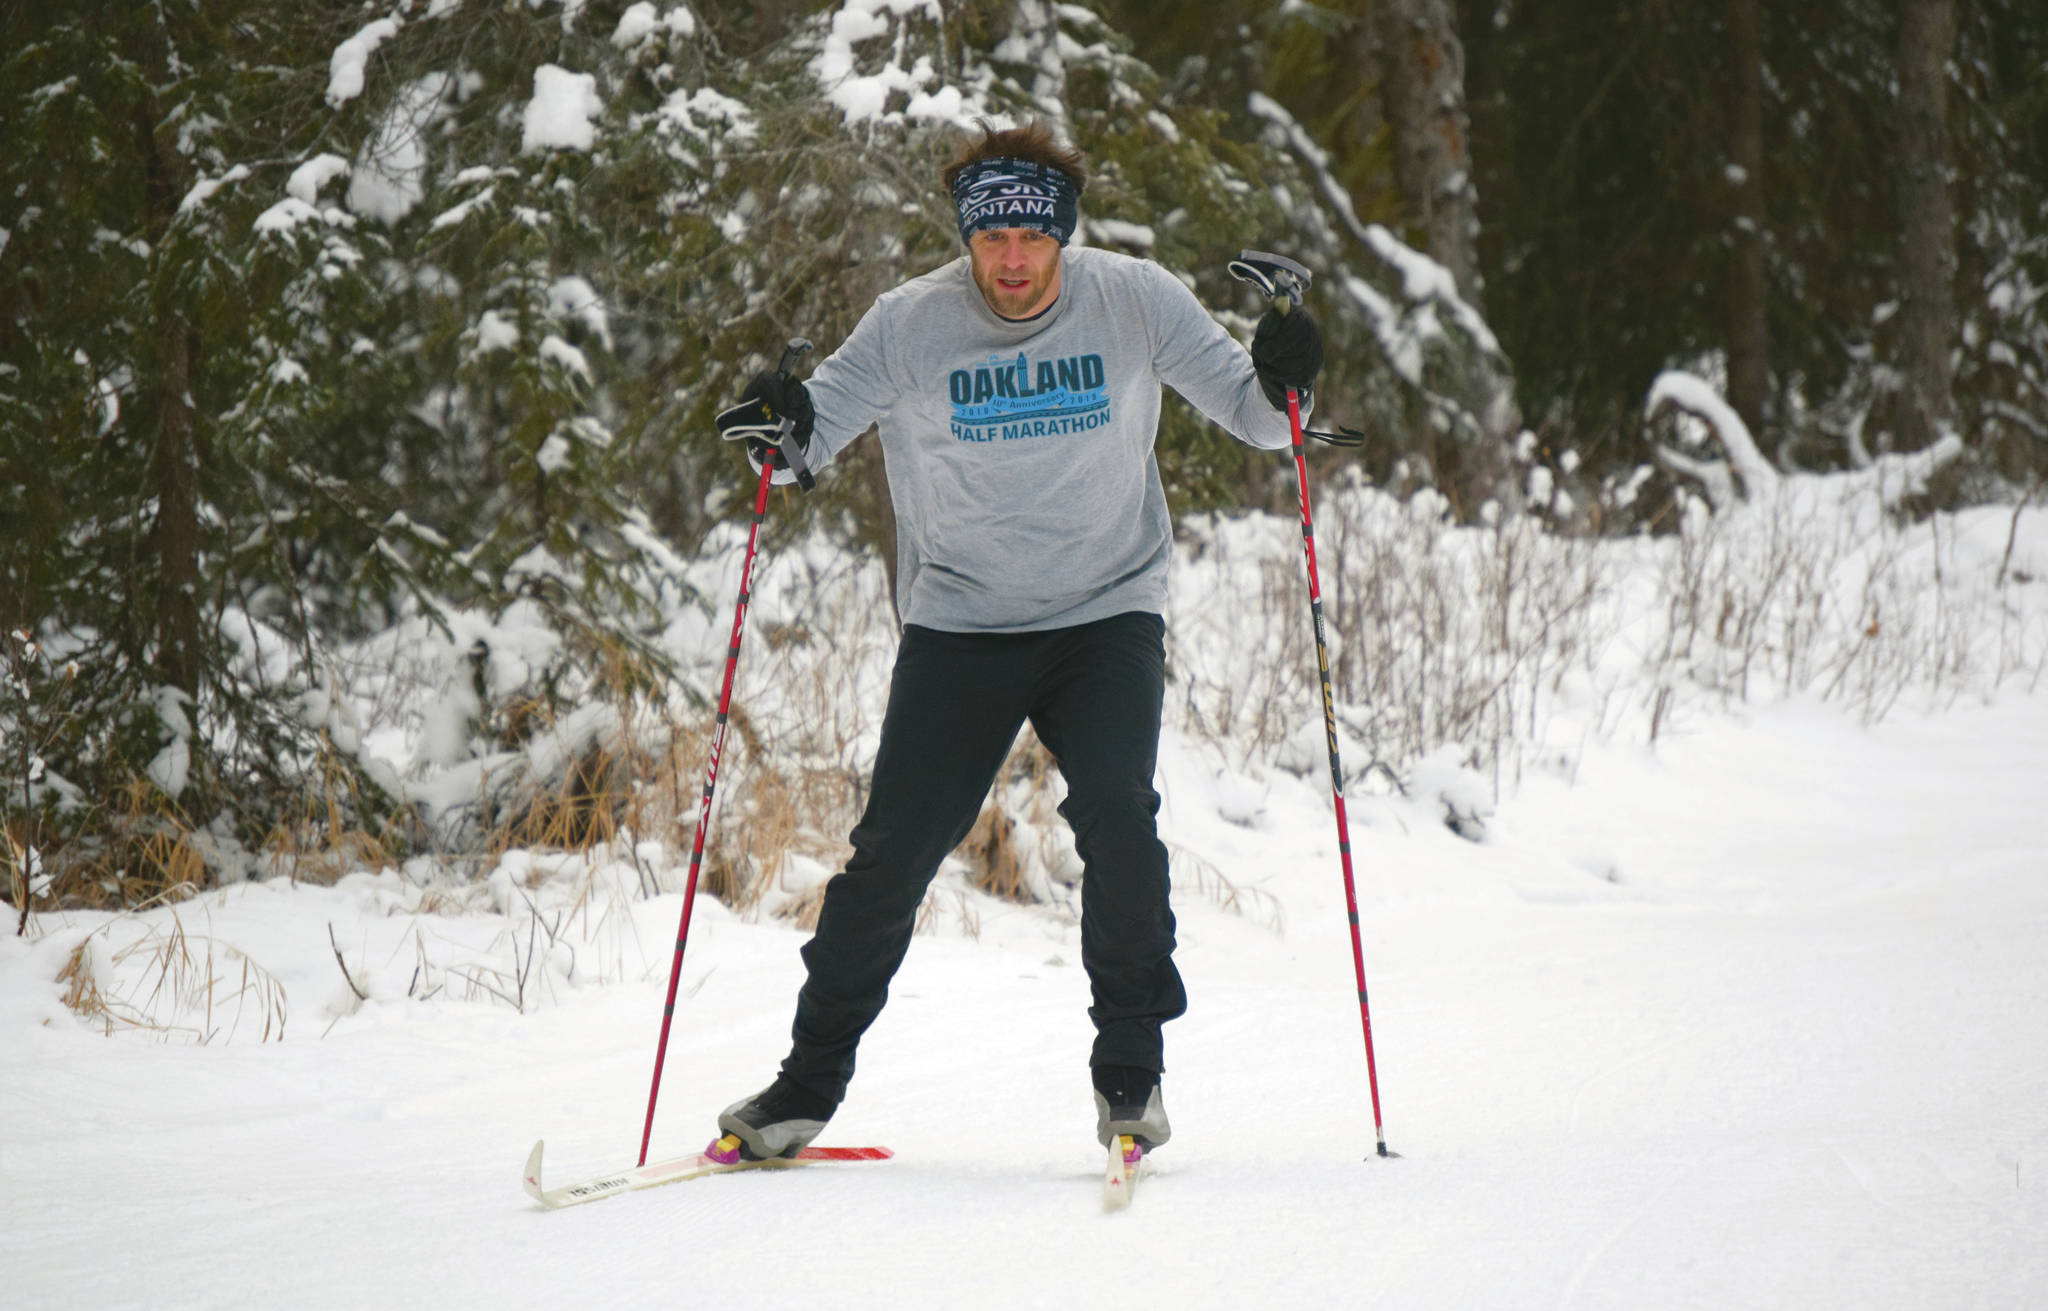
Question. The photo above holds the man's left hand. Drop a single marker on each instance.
(1287, 351)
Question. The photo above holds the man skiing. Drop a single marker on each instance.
(1017, 393)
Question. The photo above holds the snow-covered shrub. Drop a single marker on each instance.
(1438, 633)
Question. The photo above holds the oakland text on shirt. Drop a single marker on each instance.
(1011, 397)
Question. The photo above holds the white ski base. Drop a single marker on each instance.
(675, 1171)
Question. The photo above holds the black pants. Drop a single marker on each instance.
(956, 701)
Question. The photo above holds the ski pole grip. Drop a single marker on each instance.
(1279, 278)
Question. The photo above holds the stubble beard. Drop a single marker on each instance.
(1018, 304)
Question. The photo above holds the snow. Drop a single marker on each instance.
(561, 112)
(495, 332)
(1751, 1012)
(946, 105)
(172, 765)
(1135, 235)
(389, 178)
(460, 211)
(1754, 1019)
(1697, 396)
(204, 189)
(554, 453)
(860, 97)
(1425, 279)
(43, 95)
(639, 22)
(574, 298)
(642, 21)
(345, 68)
(554, 349)
(700, 111)
(307, 179)
(105, 405)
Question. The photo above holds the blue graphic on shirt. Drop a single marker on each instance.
(1007, 399)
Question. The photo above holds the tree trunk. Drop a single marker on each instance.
(1927, 235)
(1748, 289)
(1422, 91)
(175, 470)
(174, 460)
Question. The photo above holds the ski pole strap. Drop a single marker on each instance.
(785, 441)
(1347, 438)
(793, 452)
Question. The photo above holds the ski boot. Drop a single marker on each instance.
(780, 1120)
(1128, 1105)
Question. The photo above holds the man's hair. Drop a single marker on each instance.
(1034, 141)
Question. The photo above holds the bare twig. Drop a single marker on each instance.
(360, 994)
(2012, 532)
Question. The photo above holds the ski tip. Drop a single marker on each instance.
(1124, 1156)
(531, 1177)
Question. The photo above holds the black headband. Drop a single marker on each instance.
(1016, 193)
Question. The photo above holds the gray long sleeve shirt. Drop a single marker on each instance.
(1019, 453)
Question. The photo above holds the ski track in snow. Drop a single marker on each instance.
(1758, 1018)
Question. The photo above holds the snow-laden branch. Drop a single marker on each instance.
(1899, 476)
(346, 68)
(1745, 476)
(1675, 390)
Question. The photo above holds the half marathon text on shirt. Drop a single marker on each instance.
(1006, 399)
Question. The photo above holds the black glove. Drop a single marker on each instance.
(1287, 351)
(757, 419)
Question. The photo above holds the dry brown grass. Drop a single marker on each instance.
(183, 985)
(1194, 873)
(1007, 859)
(322, 843)
(584, 808)
(141, 850)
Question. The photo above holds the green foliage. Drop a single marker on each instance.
(1601, 149)
(125, 329)
(289, 361)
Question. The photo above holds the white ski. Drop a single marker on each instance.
(675, 1171)
(1120, 1179)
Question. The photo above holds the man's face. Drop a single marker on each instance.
(1017, 269)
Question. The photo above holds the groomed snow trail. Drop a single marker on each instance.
(1756, 1019)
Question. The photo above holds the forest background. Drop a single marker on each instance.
(327, 327)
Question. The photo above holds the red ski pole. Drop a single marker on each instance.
(732, 662)
(1315, 606)
(1284, 280)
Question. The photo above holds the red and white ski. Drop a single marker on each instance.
(1120, 1180)
(676, 1171)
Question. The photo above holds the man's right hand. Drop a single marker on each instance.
(769, 399)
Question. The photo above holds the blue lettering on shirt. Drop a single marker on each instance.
(1008, 399)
